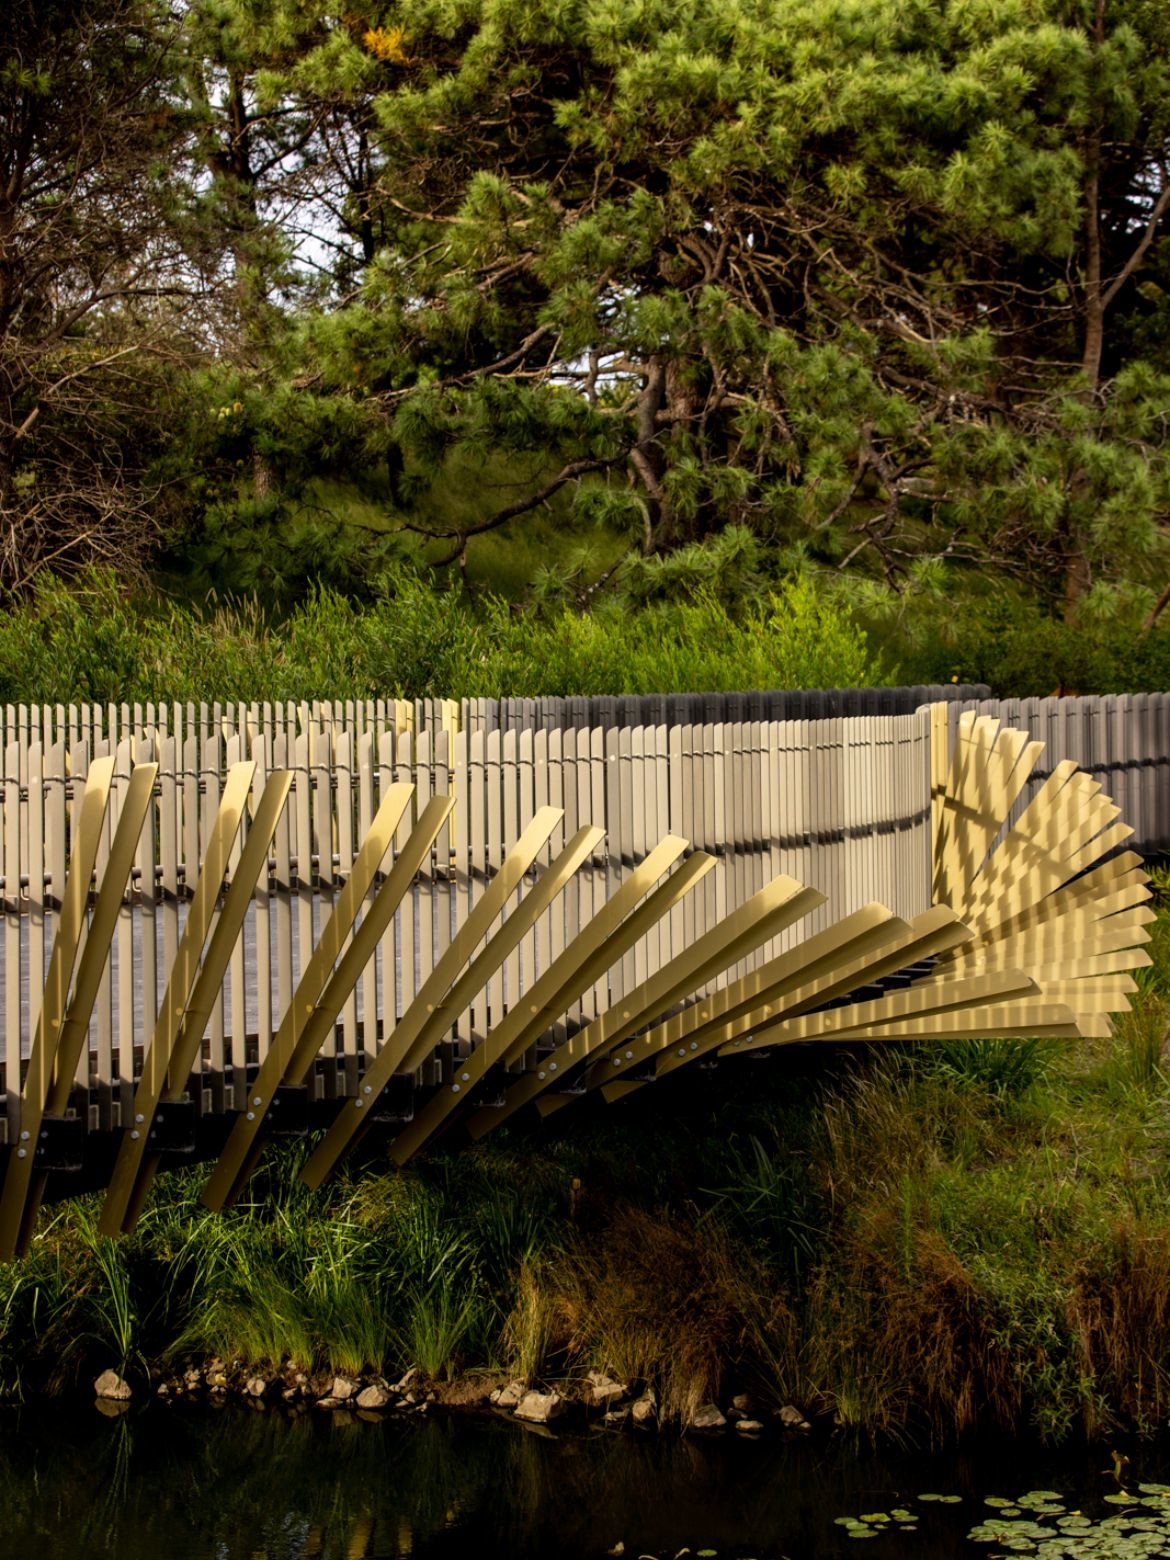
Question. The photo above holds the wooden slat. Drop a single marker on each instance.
(318, 969)
(160, 1052)
(60, 1033)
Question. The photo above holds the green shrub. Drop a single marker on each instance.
(94, 642)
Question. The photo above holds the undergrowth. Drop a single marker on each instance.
(93, 642)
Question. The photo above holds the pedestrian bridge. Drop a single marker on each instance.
(228, 924)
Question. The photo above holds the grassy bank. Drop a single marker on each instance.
(917, 1243)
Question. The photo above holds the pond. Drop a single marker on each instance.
(196, 1483)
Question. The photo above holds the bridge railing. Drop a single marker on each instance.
(1122, 740)
(843, 805)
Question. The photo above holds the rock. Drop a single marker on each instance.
(604, 1391)
(217, 1381)
(617, 1418)
(342, 1388)
(509, 1396)
(645, 1410)
(749, 1426)
(327, 1402)
(792, 1418)
(741, 1407)
(408, 1380)
(374, 1397)
(111, 1407)
(192, 1378)
(708, 1417)
(163, 1389)
(111, 1386)
(411, 1397)
(255, 1386)
(540, 1408)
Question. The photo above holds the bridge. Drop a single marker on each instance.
(227, 924)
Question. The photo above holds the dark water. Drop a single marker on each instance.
(189, 1483)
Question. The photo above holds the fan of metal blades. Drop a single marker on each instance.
(1039, 916)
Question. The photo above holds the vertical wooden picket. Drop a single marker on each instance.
(13, 1026)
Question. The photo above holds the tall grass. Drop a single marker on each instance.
(90, 641)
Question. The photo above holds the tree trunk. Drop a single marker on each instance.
(646, 455)
(1077, 576)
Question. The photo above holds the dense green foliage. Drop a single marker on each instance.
(942, 1238)
(93, 645)
(882, 287)
(672, 624)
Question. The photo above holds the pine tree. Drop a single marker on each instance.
(882, 281)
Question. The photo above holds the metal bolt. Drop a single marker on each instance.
(552, 1067)
(136, 1135)
(466, 1077)
(24, 1137)
(22, 1153)
(368, 1088)
(454, 1088)
(256, 1100)
(140, 1119)
(357, 1104)
(540, 1075)
(251, 1116)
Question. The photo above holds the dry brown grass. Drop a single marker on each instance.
(1119, 1316)
(670, 1302)
(898, 1332)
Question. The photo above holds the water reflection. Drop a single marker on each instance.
(194, 1484)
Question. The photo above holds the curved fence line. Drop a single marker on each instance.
(417, 930)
